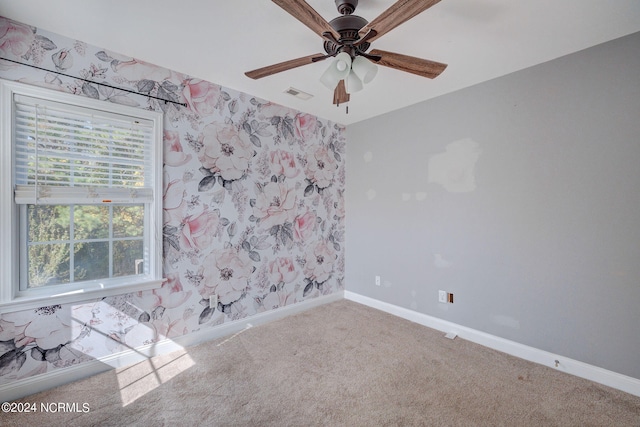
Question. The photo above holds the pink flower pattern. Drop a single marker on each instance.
(46, 327)
(199, 231)
(174, 154)
(173, 201)
(201, 96)
(319, 258)
(282, 270)
(275, 205)
(304, 226)
(15, 38)
(224, 152)
(170, 295)
(306, 125)
(284, 163)
(136, 70)
(321, 166)
(239, 219)
(227, 273)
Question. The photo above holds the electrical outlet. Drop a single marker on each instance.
(450, 298)
(213, 301)
(377, 280)
(442, 296)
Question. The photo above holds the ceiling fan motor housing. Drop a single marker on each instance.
(347, 26)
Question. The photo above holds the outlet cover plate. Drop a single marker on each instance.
(442, 296)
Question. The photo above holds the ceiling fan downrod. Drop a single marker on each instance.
(346, 7)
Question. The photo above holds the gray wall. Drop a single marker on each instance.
(521, 196)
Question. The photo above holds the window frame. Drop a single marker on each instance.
(11, 297)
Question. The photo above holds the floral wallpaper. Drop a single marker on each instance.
(253, 207)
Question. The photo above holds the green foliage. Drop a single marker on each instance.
(55, 245)
(128, 221)
(48, 262)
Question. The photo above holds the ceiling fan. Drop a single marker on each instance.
(347, 38)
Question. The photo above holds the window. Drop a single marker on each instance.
(81, 198)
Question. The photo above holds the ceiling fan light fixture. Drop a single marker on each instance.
(353, 83)
(338, 70)
(364, 69)
(347, 38)
(343, 63)
(330, 77)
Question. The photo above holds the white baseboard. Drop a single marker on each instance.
(580, 369)
(21, 388)
(27, 386)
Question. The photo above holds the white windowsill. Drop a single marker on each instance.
(93, 291)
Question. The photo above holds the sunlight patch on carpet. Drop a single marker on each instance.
(137, 380)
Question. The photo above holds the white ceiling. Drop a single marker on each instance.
(219, 40)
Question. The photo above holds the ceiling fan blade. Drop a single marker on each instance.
(340, 95)
(400, 12)
(410, 64)
(304, 13)
(284, 66)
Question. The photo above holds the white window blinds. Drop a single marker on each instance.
(66, 154)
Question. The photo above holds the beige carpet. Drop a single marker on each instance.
(342, 364)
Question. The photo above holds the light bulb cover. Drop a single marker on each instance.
(364, 69)
(353, 83)
(329, 77)
(343, 64)
(338, 70)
